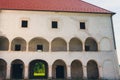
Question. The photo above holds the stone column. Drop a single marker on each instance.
(68, 46)
(8, 71)
(9, 49)
(27, 47)
(84, 72)
(83, 46)
(100, 72)
(50, 72)
(26, 72)
(50, 47)
(68, 72)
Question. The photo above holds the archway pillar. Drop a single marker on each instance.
(26, 72)
(84, 72)
(27, 47)
(67, 47)
(100, 72)
(83, 46)
(69, 72)
(9, 49)
(50, 47)
(50, 72)
(8, 71)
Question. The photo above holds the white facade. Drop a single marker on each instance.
(98, 28)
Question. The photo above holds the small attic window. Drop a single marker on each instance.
(54, 24)
(24, 23)
(82, 25)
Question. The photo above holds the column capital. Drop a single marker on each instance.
(99, 66)
(50, 66)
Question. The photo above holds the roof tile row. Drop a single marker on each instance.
(52, 5)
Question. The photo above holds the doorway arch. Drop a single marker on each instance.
(92, 70)
(76, 70)
(38, 69)
(59, 69)
(17, 69)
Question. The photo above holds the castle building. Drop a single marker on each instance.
(52, 39)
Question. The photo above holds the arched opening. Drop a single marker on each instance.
(76, 70)
(91, 45)
(38, 69)
(17, 69)
(39, 44)
(4, 43)
(3, 68)
(92, 70)
(75, 45)
(59, 44)
(59, 70)
(18, 44)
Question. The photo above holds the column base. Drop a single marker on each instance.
(69, 78)
(50, 78)
(85, 78)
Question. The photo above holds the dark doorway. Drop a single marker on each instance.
(3, 68)
(17, 69)
(76, 70)
(38, 69)
(60, 72)
(92, 70)
(59, 69)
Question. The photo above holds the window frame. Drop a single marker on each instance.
(82, 25)
(39, 47)
(24, 23)
(17, 47)
(54, 24)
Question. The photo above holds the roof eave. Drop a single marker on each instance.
(112, 13)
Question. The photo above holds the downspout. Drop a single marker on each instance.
(113, 31)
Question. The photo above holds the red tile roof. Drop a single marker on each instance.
(52, 5)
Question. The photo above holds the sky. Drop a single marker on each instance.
(114, 6)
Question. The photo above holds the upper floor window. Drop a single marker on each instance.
(82, 25)
(54, 24)
(40, 47)
(17, 47)
(24, 23)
